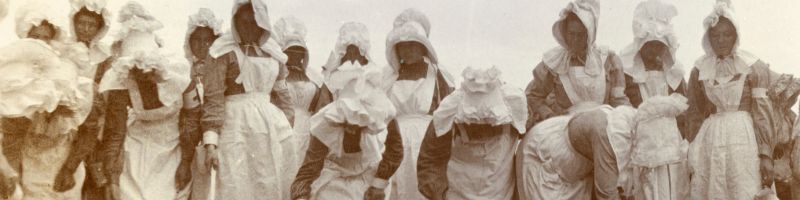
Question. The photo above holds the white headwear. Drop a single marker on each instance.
(351, 33)
(653, 22)
(96, 6)
(588, 11)
(410, 26)
(33, 13)
(140, 48)
(292, 32)
(482, 99)
(230, 41)
(203, 18)
(708, 64)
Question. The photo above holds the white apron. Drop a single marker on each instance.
(348, 176)
(151, 152)
(724, 155)
(302, 94)
(482, 169)
(413, 101)
(42, 158)
(257, 158)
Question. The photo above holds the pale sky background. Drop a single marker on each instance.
(511, 34)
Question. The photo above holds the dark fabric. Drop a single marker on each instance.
(310, 169)
(635, 96)
(114, 131)
(191, 134)
(588, 135)
(392, 155)
(322, 98)
(434, 154)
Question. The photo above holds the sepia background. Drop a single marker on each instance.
(510, 34)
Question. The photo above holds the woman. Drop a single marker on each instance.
(39, 136)
(581, 76)
(303, 82)
(203, 29)
(651, 71)
(248, 139)
(454, 162)
(416, 84)
(343, 160)
(153, 85)
(730, 115)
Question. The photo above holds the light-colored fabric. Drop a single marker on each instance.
(230, 42)
(581, 87)
(151, 152)
(739, 61)
(482, 169)
(42, 158)
(351, 33)
(359, 100)
(33, 13)
(653, 22)
(3, 9)
(349, 175)
(547, 165)
(666, 182)
(203, 18)
(620, 125)
(657, 140)
(302, 96)
(482, 99)
(588, 11)
(724, 155)
(409, 26)
(290, 32)
(89, 57)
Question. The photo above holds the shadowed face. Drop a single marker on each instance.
(651, 53)
(45, 32)
(200, 41)
(247, 26)
(297, 56)
(575, 34)
(723, 37)
(87, 25)
(410, 53)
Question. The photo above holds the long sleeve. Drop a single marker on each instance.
(322, 98)
(434, 154)
(114, 132)
(14, 130)
(616, 81)
(540, 87)
(190, 132)
(699, 106)
(310, 169)
(86, 139)
(281, 96)
(393, 153)
(94, 122)
(762, 110)
(213, 108)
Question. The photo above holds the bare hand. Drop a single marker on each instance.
(212, 159)
(767, 172)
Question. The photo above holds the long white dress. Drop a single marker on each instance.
(413, 101)
(302, 95)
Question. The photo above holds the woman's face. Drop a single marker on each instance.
(410, 53)
(297, 56)
(652, 51)
(45, 32)
(200, 41)
(87, 26)
(722, 37)
(575, 35)
(247, 26)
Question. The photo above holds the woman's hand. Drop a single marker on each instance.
(212, 159)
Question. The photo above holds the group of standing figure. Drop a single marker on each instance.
(246, 118)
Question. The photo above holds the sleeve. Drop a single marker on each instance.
(86, 138)
(616, 78)
(14, 130)
(6, 170)
(281, 96)
(114, 132)
(310, 169)
(761, 110)
(682, 118)
(321, 99)
(190, 132)
(699, 106)
(537, 91)
(213, 107)
(392, 156)
(783, 92)
(434, 154)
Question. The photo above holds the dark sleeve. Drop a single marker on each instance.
(114, 132)
(86, 139)
(537, 91)
(213, 108)
(617, 81)
(14, 130)
(322, 99)
(190, 132)
(281, 96)
(310, 169)
(699, 106)
(393, 154)
(632, 91)
(434, 154)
